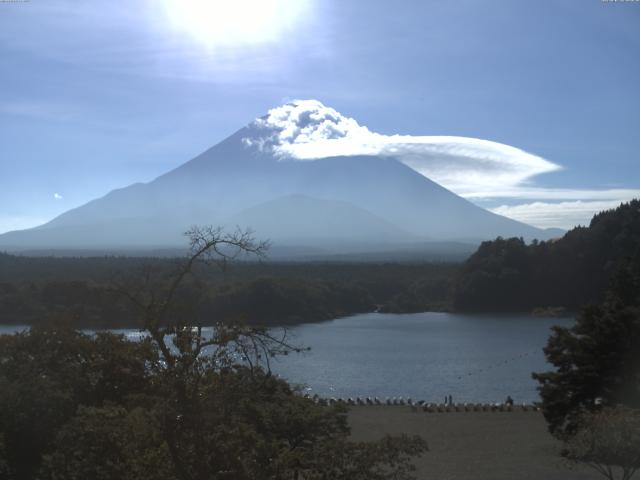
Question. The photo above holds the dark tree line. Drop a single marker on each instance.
(263, 301)
(509, 275)
(502, 275)
(428, 294)
(257, 293)
(269, 301)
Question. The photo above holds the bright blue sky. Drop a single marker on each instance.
(97, 95)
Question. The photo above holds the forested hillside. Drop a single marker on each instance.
(86, 291)
(509, 275)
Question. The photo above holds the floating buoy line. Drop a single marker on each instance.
(499, 364)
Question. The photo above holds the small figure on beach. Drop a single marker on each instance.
(509, 401)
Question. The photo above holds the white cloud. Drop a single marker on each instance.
(57, 196)
(541, 193)
(561, 214)
(479, 170)
(307, 130)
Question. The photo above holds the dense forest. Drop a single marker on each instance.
(509, 275)
(502, 275)
(88, 291)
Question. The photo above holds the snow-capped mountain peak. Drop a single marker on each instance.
(309, 130)
(356, 187)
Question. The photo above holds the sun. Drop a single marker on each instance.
(220, 23)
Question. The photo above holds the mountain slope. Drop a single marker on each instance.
(235, 180)
(300, 219)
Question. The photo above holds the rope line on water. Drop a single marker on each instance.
(501, 363)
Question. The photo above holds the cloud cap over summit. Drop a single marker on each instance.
(265, 172)
(308, 130)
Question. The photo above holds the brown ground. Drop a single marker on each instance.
(473, 445)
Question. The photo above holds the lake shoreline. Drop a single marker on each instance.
(538, 313)
(423, 356)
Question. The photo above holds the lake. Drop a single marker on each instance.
(425, 356)
(474, 358)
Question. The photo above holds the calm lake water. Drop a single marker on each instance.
(423, 356)
(474, 358)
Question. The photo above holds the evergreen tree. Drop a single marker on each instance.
(598, 359)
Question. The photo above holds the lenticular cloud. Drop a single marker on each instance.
(308, 130)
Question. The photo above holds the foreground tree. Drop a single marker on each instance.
(47, 373)
(598, 359)
(184, 403)
(608, 441)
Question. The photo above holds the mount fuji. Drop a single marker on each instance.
(290, 177)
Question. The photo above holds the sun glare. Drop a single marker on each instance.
(219, 23)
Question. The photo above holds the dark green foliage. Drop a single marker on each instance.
(46, 374)
(105, 443)
(256, 293)
(91, 305)
(427, 294)
(74, 407)
(271, 301)
(495, 277)
(508, 275)
(597, 358)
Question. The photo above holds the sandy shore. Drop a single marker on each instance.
(473, 445)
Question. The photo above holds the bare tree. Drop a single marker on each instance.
(156, 302)
(608, 441)
(187, 353)
(219, 411)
